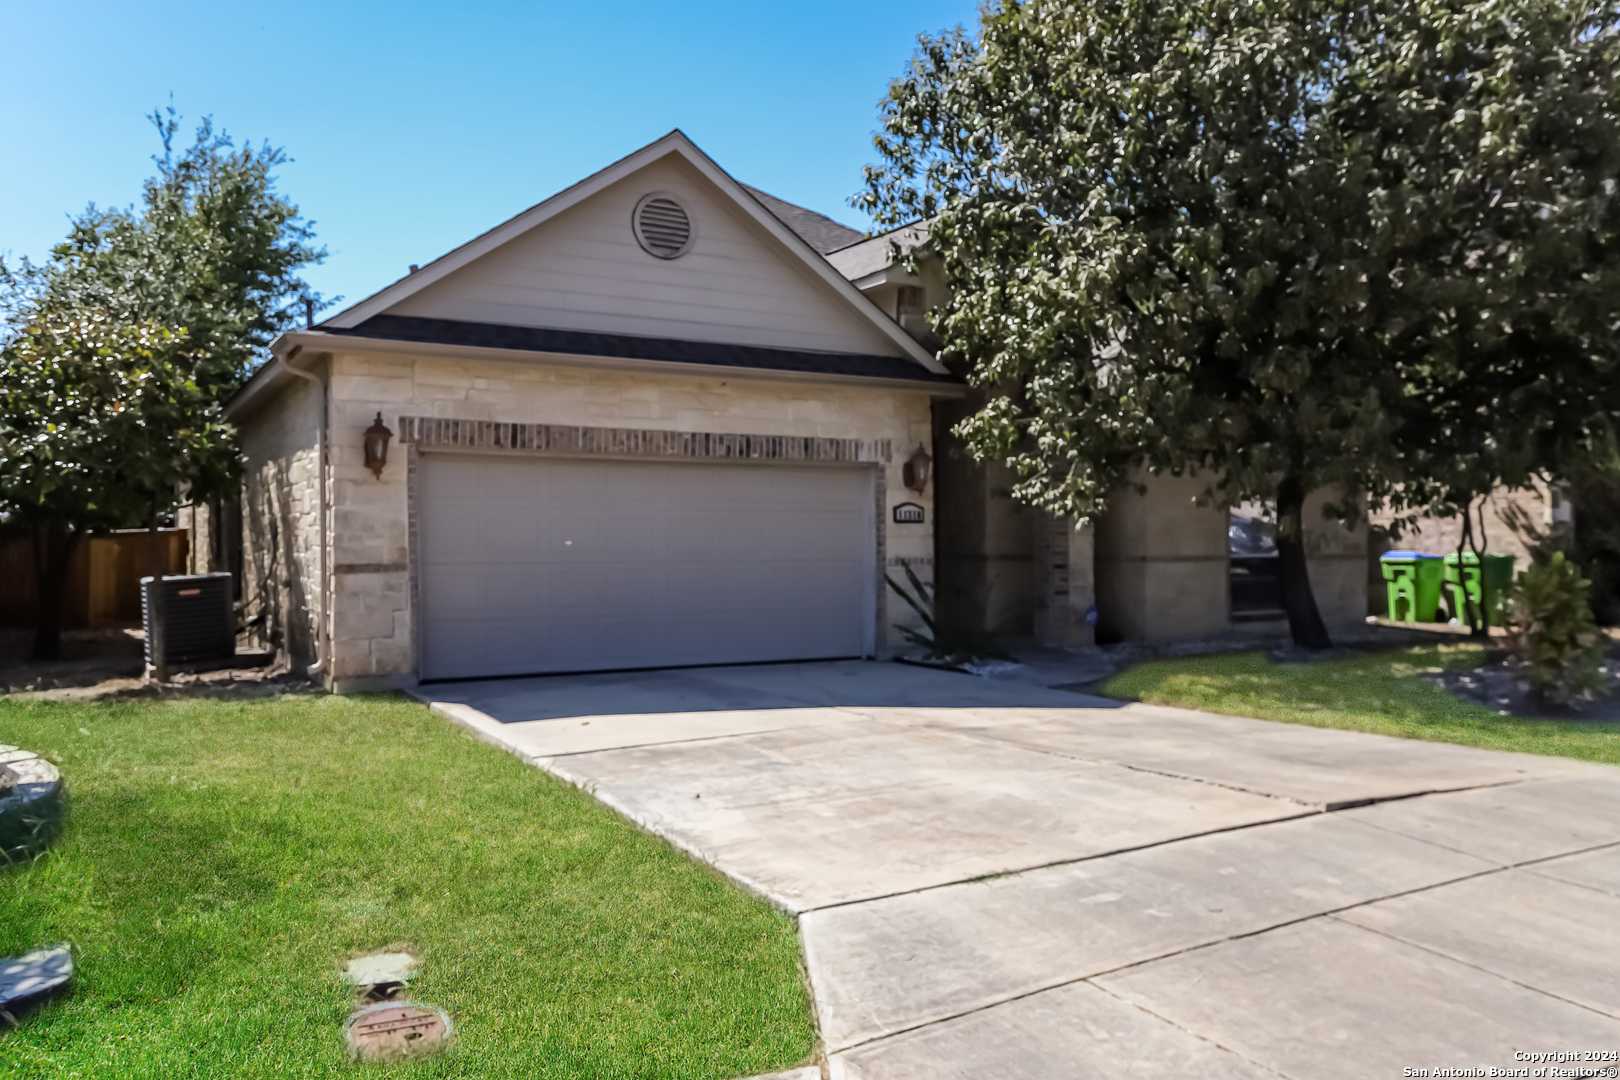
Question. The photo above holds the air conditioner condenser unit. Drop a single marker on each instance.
(188, 620)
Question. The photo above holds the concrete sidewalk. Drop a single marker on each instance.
(997, 879)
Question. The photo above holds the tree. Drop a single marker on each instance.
(1228, 236)
(193, 285)
(214, 248)
(1498, 135)
(1594, 543)
(97, 418)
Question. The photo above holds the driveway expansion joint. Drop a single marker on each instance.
(1115, 763)
(1019, 871)
(1432, 951)
(1089, 977)
(1184, 1028)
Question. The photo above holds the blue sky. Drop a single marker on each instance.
(416, 126)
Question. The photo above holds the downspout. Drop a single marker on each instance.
(323, 642)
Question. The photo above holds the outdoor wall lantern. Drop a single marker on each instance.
(377, 436)
(914, 473)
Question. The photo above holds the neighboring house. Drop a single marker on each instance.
(1515, 523)
(664, 419)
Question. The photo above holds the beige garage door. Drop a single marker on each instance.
(538, 565)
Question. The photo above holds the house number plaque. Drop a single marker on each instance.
(908, 513)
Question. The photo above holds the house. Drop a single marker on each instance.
(644, 423)
(665, 419)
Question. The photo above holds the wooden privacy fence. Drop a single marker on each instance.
(104, 579)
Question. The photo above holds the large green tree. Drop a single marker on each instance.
(212, 247)
(1268, 240)
(123, 346)
(96, 415)
(1497, 130)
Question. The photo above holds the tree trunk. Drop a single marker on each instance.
(54, 544)
(1304, 620)
(1472, 614)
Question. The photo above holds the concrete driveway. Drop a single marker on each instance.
(998, 880)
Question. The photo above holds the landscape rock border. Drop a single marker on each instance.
(33, 804)
(1498, 685)
(28, 980)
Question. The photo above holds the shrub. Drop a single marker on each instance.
(1551, 631)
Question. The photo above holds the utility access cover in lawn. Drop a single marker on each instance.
(227, 858)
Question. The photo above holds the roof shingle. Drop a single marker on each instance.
(630, 347)
(818, 230)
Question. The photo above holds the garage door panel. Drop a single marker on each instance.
(534, 565)
(454, 591)
(574, 645)
(816, 540)
(507, 594)
(752, 584)
(830, 585)
(501, 642)
(514, 487)
(692, 587)
(634, 536)
(575, 587)
(635, 642)
(746, 542)
(693, 537)
(643, 584)
(507, 537)
(583, 483)
(455, 643)
(563, 528)
(453, 541)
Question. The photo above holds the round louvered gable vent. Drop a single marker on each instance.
(662, 227)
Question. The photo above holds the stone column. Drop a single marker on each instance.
(1064, 589)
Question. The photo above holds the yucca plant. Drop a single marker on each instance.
(952, 640)
(1552, 632)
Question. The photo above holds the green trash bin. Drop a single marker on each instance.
(1414, 584)
(1498, 578)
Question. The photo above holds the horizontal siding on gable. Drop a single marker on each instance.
(583, 270)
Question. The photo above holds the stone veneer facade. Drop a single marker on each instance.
(518, 407)
(1162, 554)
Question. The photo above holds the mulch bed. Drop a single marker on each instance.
(1497, 685)
(111, 663)
(88, 657)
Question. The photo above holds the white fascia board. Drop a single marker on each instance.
(892, 275)
(285, 347)
(677, 143)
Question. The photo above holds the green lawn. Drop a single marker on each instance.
(225, 858)
(1383, 693)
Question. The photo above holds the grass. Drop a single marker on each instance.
(226, 857)
(1383, 693)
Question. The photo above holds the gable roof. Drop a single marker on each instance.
(818, 230)
(743, 199)
(868, 256)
